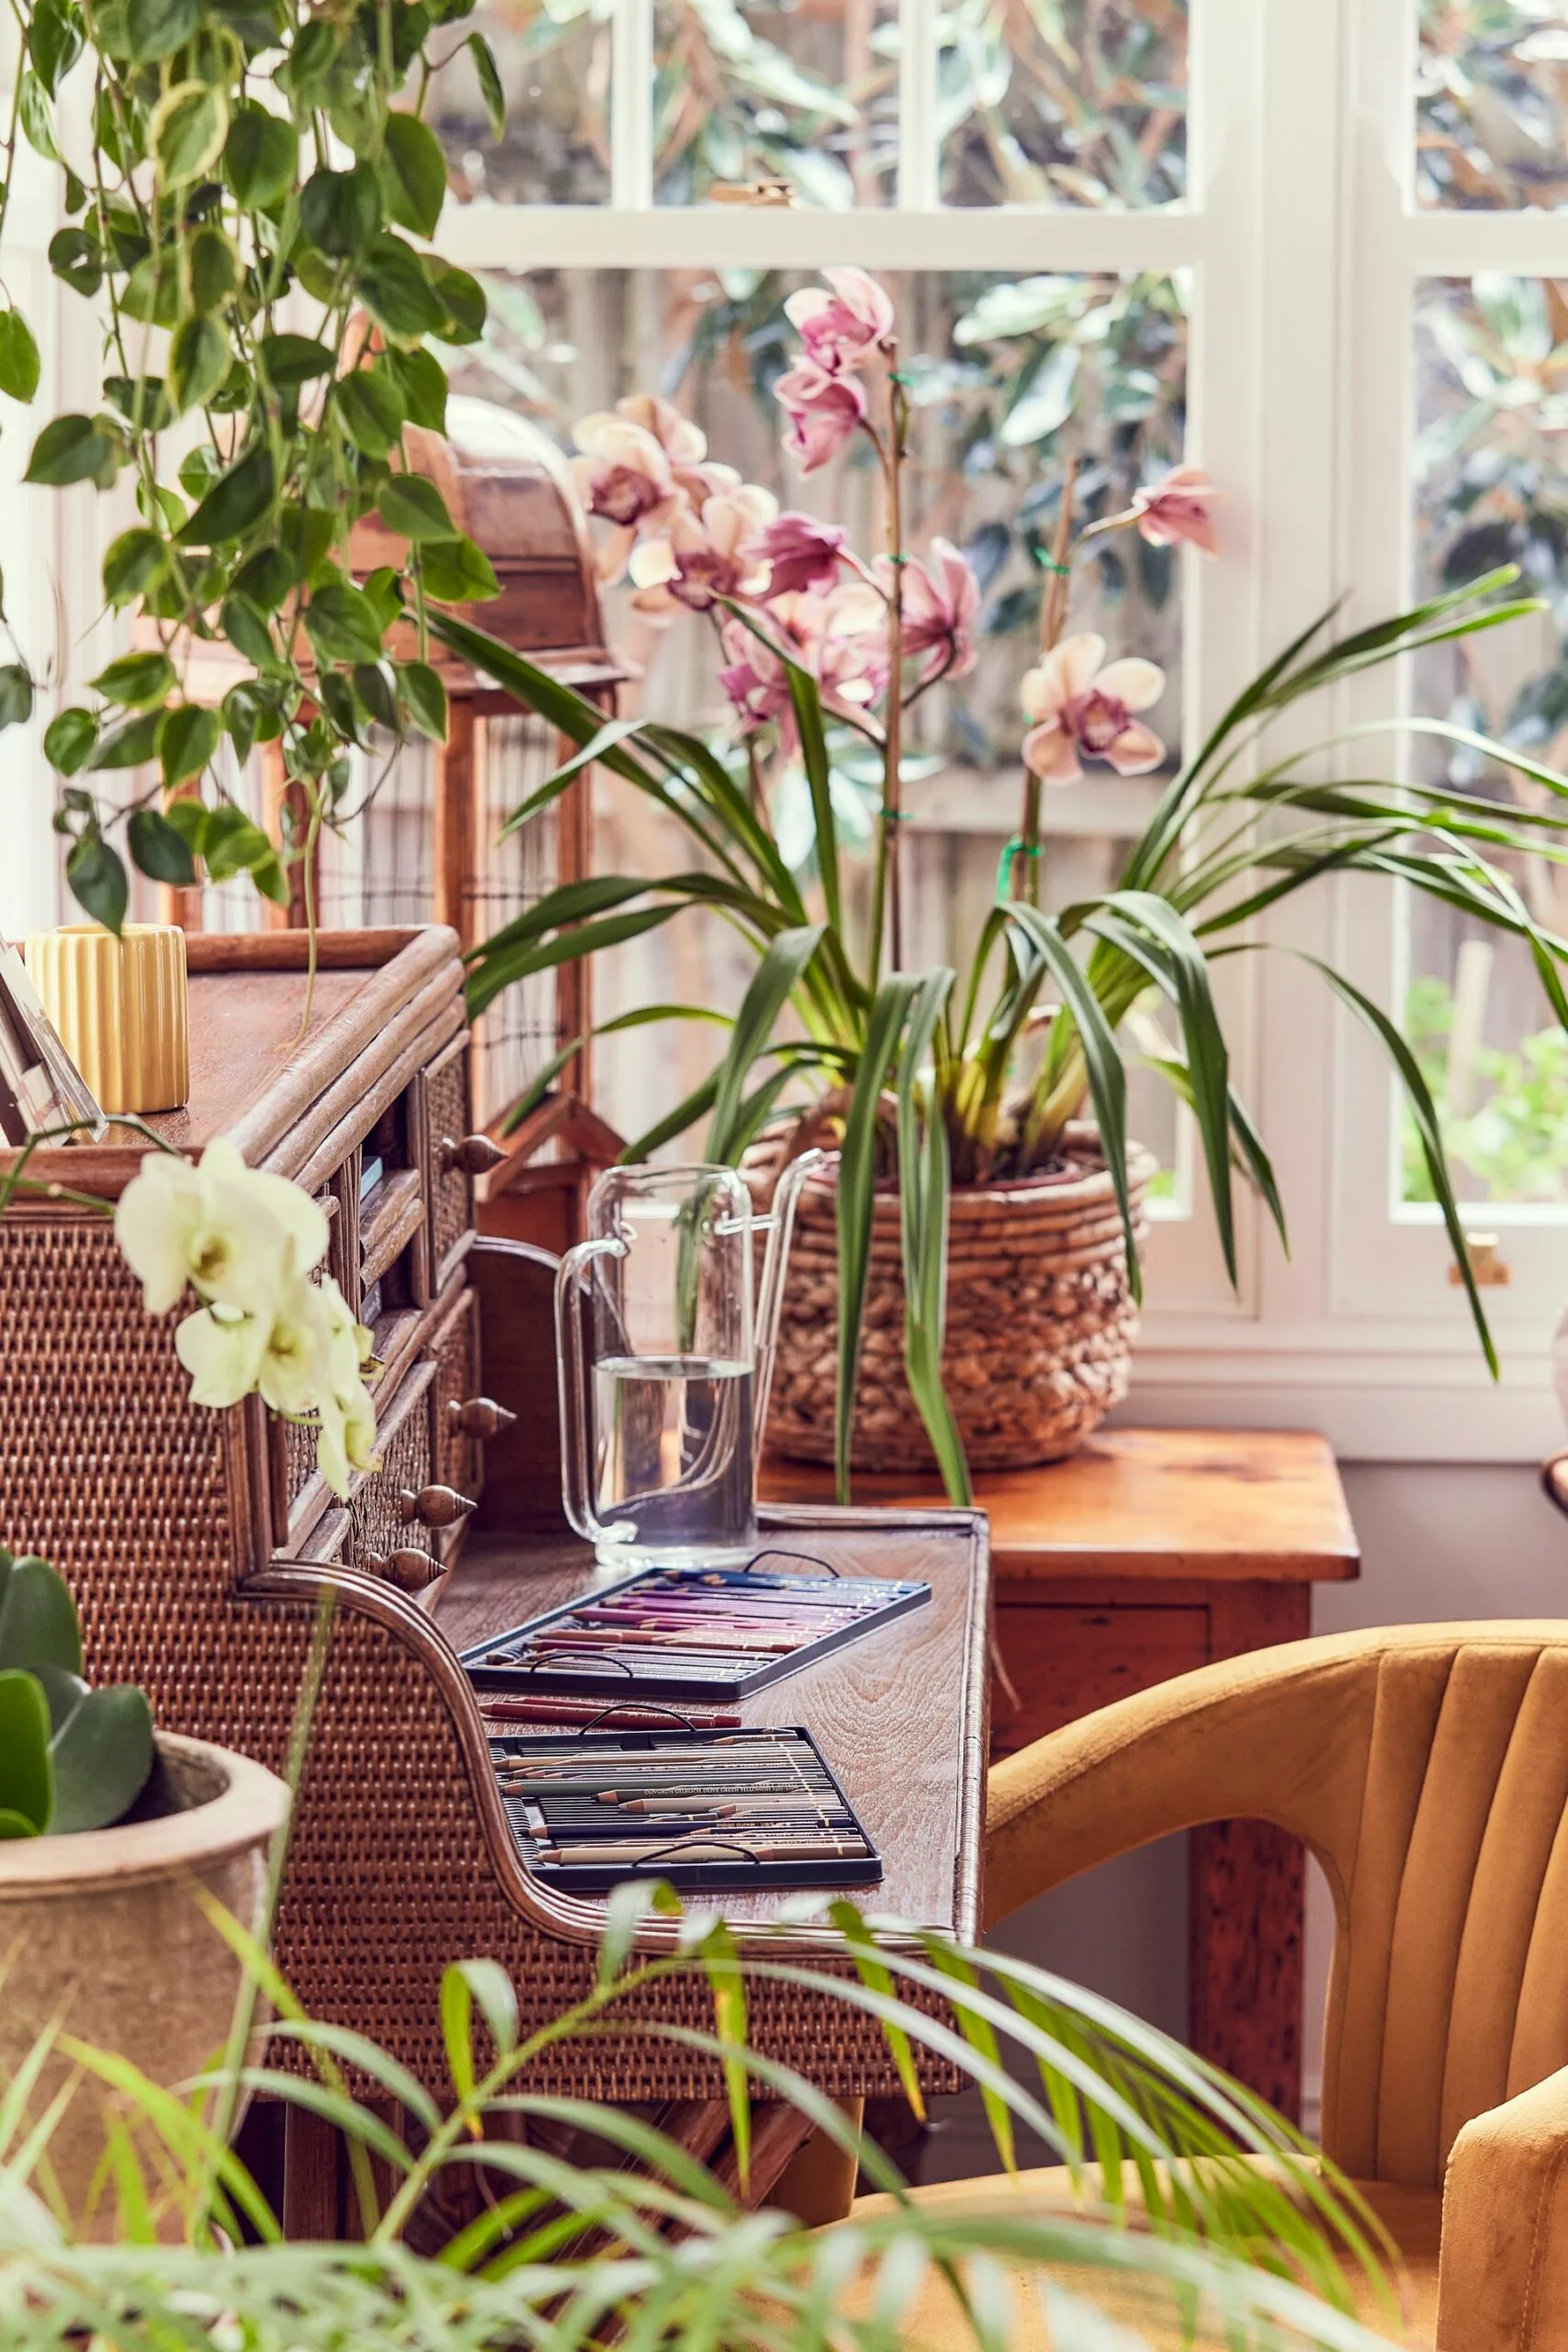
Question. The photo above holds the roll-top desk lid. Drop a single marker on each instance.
(258, 1074)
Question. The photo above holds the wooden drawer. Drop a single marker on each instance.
(459, 1458)
(379, 1521)
(1066, 1659)
(442, 1109)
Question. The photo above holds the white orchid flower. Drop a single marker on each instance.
(347, 1439)
(222, 1350)
(231, 1232)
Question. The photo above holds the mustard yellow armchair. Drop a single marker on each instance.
(1426, 1768)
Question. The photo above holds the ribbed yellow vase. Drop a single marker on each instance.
(119, 1006)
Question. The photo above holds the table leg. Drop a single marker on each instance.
(1247, 1919)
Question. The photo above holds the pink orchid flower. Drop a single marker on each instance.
(622, 475)
(1178, 511)
(842, 328)
(800, 552)
(683, 443)
(705, 556)
(1081, 710)
(823, 410)
(940, 601)
(841, 638)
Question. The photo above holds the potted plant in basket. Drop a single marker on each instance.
(103, 1822)
(983, 1113)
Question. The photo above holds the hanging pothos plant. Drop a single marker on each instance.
(252, 180)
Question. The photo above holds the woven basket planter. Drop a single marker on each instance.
(1040, 1321)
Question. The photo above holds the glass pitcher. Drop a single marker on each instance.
(666, 1359)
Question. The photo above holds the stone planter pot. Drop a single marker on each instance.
(1040, 1320)
(101, 1930)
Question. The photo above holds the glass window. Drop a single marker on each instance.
(554, 63)
(1072, 102)
(1492, 376)
(804, 96)
(1492, 105)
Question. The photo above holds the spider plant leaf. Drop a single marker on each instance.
(857, 1197)
(639, 1017)
(772, 983)
(1428, 1131)
(1248, 1143)
(598, 747)
(686, 1114)
(489, 977)
(1180, 967)
(1103, 1063)
(805, 700)
(924, 1175)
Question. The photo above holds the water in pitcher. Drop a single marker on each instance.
(674, 1455)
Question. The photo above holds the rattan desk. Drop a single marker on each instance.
(200, 1545)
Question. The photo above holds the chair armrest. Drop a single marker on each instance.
(1280, 1735)
(1503, 2275)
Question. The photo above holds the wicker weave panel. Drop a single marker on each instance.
(451, 1195)
(376, 1520)
(459, 1459)
(107, 1468)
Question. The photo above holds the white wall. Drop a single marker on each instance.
(1445, 1541)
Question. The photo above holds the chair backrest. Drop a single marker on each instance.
(1426, 1768)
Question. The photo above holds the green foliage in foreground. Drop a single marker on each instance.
(70, 1757)
(568, 2253)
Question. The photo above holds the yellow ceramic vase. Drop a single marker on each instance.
(119, 1006)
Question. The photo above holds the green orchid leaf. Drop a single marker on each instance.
(772, 984)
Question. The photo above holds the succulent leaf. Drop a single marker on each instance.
(27, 1771)
(38, 1618)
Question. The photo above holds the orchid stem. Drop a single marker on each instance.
(887, 918)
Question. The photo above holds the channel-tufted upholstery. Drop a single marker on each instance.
(1426, 1768)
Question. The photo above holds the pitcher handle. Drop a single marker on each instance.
(780, 1223)
(576, 1399)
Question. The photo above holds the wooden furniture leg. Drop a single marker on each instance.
(1246, 1910)
(312, 2156)
(1246, 1917)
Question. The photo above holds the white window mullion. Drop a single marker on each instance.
(918, 161)
(631, 107)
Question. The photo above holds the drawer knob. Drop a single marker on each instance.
(473, 1157)
(408, 1569)
(479, 1416)
(434, 1506)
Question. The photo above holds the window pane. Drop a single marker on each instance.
(1489, 489)
(554, 63)
(745, 92)
(1492, 105)
(1010, 379)
(1063, 102)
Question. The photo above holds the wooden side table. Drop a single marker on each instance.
(1148, 1553)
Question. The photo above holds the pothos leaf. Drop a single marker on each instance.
(98, 881)
(488, 75)
(18, 356)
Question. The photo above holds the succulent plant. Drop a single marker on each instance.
(70, 1758)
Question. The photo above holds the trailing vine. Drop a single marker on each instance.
(250, 216)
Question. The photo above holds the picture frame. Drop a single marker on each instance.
(41, 1090)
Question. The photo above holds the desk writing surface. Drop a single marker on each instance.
(901, 1713)
(1251, 1505)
